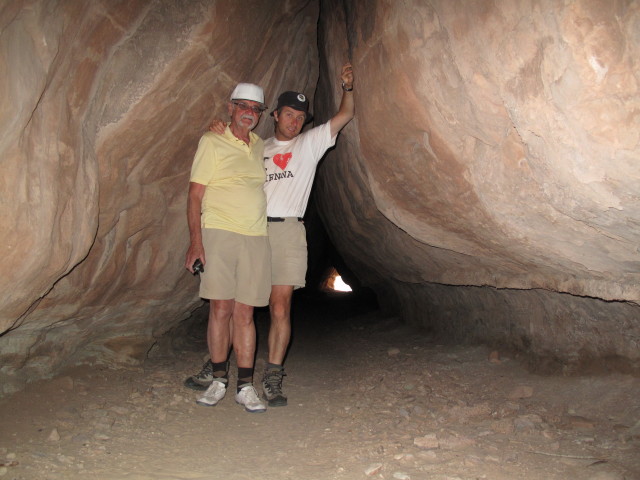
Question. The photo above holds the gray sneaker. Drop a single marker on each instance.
(214, 393)
(272, 388)
(202, 379)
(248, 397)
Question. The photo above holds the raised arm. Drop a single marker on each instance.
(347, 107)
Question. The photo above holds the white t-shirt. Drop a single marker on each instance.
(291, 167)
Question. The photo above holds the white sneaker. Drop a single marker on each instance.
(213, 394)
(248, 397)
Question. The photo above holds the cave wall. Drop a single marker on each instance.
(489, 187)
(102, 104)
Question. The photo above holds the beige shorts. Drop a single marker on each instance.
(238, 267)
(288, 242)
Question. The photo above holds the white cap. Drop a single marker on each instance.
(248, 91)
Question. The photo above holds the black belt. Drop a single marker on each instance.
(281, 219)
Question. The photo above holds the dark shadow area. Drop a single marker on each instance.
(313, 311)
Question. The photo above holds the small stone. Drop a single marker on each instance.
(521, 391)
(428, 456)
(577, 422)
(80, 438)
(504, 426)
(405, 457)
(401, 476)
(393, 351)
(119, 410)
(534, 417)
(373, 469)
(471, 461)
(428, 442)
(524, 423)
(494, 357)
(54, 436)
(454, 442)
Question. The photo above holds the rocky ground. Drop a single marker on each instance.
(369, 398)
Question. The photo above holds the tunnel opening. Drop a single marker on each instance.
(336, 283)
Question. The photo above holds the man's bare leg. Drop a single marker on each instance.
(280, 326)
(244, 335)
(219, 329)
(202, 379)
(279, 338)
(218, 339)
(244, 346)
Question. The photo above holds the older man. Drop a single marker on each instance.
(290, 160)
(226, 213)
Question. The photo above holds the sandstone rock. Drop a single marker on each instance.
(494, 357)
(504, 426)
(494, 153)
(98, 140)
(577, 422)
(455, 442)
(54, 436)
(401, 476)
(373, 469)
(429, 441)
(504, 193)
(429, 456)
(521, 391)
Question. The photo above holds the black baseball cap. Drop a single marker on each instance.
(297, 101)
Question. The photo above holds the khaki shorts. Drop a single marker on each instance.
(288, 242)
(238, 267)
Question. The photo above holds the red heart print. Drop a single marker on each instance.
(282, 160)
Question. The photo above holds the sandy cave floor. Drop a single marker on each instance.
(368, 398)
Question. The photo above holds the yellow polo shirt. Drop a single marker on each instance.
(234, 176)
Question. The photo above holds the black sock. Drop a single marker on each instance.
(245, 376)
(221, 371)
(274, 366)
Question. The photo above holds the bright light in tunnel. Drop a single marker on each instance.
(339, 285)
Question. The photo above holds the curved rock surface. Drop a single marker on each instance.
(494, 146)
(488, 187)
(102, 107)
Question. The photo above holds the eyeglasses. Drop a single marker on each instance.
(255, 109)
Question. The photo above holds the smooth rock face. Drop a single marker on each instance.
(495, 145)
(488, 187)
(102, 105)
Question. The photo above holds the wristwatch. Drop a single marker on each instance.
(344, 87)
